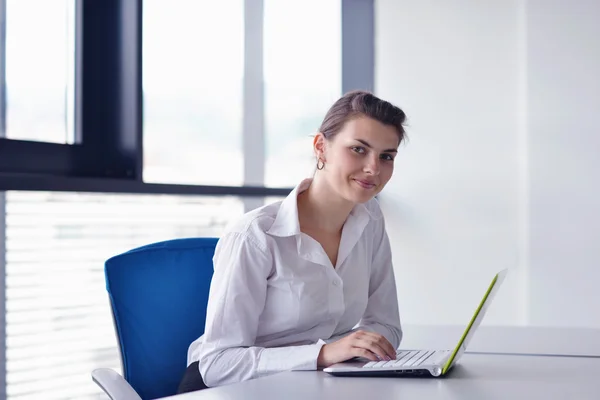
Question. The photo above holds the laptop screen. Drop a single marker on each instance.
(475, 320)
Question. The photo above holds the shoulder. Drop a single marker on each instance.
(252, 227)
(374, 209)
(376, 229)
(376, 222)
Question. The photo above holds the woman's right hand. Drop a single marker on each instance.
(370, 345)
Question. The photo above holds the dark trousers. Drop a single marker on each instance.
(192, 380)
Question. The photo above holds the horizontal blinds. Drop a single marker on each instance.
(59, 326)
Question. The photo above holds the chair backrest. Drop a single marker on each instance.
(158, 295)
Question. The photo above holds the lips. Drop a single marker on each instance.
(365, 184)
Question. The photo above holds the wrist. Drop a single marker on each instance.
(321, 360)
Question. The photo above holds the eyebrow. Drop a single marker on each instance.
(369, 146)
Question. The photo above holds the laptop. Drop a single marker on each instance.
(424, 363)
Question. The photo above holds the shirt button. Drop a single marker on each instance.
(336, 283)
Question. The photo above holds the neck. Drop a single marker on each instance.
(321, 208)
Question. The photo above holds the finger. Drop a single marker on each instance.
(388, 348)
(362, 352)
(373, 347)
(383, 343)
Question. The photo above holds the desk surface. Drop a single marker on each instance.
(477, 376)
(506, 339)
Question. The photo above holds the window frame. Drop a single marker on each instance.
(107, 117)
(2, 205)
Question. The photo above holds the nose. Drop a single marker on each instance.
(372, 166)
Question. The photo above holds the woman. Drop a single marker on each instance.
(308, 282)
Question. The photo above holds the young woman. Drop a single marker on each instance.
(308, 282)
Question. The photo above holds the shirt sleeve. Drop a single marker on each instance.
(237, 298)
(381, 315)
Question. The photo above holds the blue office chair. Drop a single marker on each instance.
(158, 294)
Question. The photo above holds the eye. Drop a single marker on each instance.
(358, 149)
(387, 157)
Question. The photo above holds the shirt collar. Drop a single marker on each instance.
(286, 221)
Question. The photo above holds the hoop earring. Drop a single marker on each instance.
(320, 164)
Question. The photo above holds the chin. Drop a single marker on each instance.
(361, 195)
(363, 199)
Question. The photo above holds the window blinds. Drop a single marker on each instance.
(59, 327)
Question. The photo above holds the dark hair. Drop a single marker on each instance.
(361, 103)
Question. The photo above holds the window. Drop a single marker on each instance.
(231, 90)
(193, 80)
(303, 77)
(40, 67)
(59, 326)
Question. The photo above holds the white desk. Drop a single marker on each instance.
(506, 339)
(476, 377)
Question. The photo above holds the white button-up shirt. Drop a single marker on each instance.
(275, 298)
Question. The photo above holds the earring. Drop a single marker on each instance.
(320, 164)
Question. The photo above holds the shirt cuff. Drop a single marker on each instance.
(294, 358)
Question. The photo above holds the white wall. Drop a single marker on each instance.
(564, 158)
(499, 171)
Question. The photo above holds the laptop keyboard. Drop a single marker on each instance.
(410, 358)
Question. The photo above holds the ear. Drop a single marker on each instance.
(319, 146)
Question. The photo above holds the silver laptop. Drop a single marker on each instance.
(426, 363)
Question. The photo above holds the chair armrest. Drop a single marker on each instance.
(114, 385)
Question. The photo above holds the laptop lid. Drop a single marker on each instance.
(475, 320)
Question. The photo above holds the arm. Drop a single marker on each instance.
(381, 315)
(237, 298)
